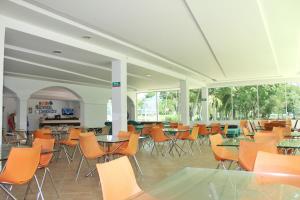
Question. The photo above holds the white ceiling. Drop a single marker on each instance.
(206, 40)
(55, 93)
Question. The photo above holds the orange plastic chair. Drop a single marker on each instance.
(193, 138)
(216, 128)
(246, 132)
(131, 128)
(183, 135)
(279, 132)
(221, 154)
(90, 150)
(131, 149)
(288, 167)
(42, 134)
(248, 152)
(225, 131)
(203, 133)
(244, 124)
(159, 137)
(71, 142)
(20, 168)
(47, 145)
(117, 180)
(263, 137)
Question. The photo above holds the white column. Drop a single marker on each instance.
(184, 102)
(21, 122)
(119, 96)
(204, 100)
(2, 38)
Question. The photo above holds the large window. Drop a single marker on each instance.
(195, 105)
(269, 101)
(272, 104)
(220, 103)
(245, 104)
(293, 100)
(146, 106)
(168, 105)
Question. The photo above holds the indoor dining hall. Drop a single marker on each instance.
(150, 100)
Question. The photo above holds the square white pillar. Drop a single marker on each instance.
(184, 102)
(2, 42)
(119, 96)
(204, 100)
(22, 114)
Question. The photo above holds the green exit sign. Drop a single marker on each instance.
(116, 84)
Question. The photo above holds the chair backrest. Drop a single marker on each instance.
(89, 145)
(243, 124)
(202, 129)
(194, 134)
(39, 133)
(157, 134)
(286, 165)
(131, 128)
(133, 144)
(279, 132)
(21, 164)
(46, 145)
(74, 133)
(226, 129)
(245, 131)
(248, 152)
(214, 141)
(117, 179)
(215, 128)
(173, 125)
(261, 137)
(124, 134)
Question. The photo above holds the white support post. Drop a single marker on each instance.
(204, 100)
(22, 114)
(184, 102)
(2, 42)
(119, 96)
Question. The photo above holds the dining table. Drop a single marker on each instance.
(171, 133)
(216, 184)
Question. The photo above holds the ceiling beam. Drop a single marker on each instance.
(60, 70)
(37, 53)
(194, 18)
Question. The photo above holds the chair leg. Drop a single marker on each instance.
(79, 167)
(27, 189)
(137, 164)
(198, 146)
(10, 188)
(52, 181)
(40, 193)
(67, 154)
(8, 192)
(74, 152)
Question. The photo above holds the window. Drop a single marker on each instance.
(245, 104)
(293, 100)
(168, 105)
(146, 106)
(195, 105)
(272, 104)
(220, 103)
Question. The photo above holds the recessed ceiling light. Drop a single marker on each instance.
(57, 51)
(148, 75)
(86, 37)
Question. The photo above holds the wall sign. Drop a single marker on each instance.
(116, 84)
(45, 107)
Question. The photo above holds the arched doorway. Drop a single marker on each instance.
(130, 110)
(54, 106)
(10, 107)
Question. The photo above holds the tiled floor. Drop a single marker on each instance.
(155, 168)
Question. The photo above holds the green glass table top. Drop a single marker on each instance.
(289, 143)
(234, 142)
(251, 134)
(295, 134)
(174, 130)
(212, 184)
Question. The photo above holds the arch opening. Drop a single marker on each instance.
(54, 106)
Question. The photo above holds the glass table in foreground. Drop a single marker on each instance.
(212, 184)
(234, 142)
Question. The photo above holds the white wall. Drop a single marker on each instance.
(93, 99)
(10, 106)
